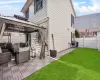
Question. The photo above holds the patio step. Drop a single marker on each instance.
(36, 46)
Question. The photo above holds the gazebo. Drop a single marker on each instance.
(11, 24)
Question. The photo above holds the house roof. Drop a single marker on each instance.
(84, 30)
(29, 2)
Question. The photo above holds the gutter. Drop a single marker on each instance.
(42, 21)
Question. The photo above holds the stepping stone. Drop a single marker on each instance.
(7, 75)
(16, 73)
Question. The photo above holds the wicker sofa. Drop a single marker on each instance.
(5, 56)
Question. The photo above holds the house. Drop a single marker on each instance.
(57, 16)
(86, 33)
(48, 21)
(88, 22)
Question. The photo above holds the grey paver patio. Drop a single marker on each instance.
(7, 74)
(24, 71)
(1, 73)
(21, 71)
(16, 73)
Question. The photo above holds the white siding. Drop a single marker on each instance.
(59, 13)
(14, 39)
(18, 39)
(40, 15)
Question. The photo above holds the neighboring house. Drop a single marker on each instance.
(57, 16)
(86, 33)
(88, 24)
(87, 21)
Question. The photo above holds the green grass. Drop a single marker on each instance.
(80, 64)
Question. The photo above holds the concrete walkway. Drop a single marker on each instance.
(22, 71)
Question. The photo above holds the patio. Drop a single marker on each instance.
(12, 54)
(23, 70)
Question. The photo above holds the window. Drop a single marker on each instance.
(71, 36)
(27, 14)
(72, 20)
(38, 5)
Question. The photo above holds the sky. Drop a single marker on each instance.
(82, 7)
(11, 7)
(85, 7)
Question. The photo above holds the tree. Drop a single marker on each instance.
(77, 35)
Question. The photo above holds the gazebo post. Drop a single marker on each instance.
(2, 30)
(42, 53)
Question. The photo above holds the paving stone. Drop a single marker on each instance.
(16, 73)
(7, 75)
(64, 52)
(1, 75)
(24, 71)
(30, 67)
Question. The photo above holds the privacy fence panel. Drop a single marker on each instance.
(88, 42)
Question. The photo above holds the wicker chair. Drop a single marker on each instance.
(22, 53)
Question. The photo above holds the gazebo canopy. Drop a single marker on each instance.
(11, 24)
(16, 25)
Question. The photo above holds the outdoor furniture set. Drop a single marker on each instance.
(20, 51)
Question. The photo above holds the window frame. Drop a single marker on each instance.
(72, 20)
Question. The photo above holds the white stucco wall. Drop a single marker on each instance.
(59, 13)
(40, 15)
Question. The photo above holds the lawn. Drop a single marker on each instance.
(80, 64)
